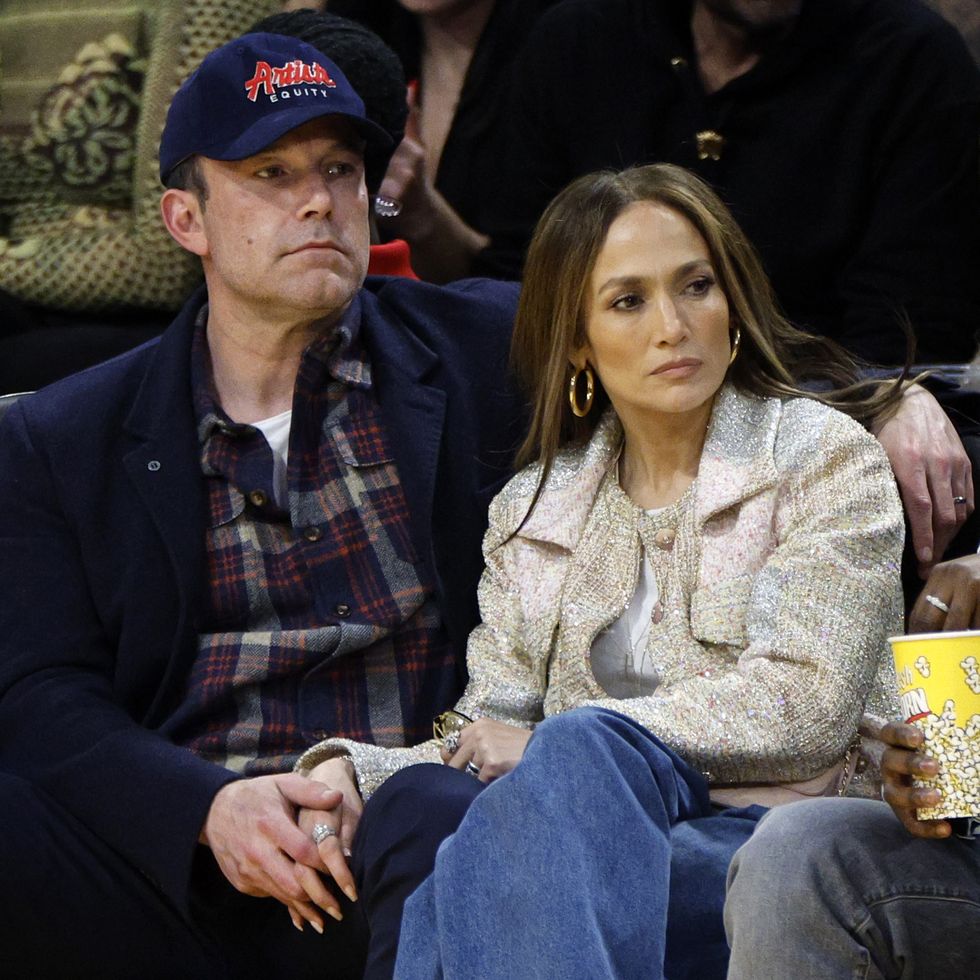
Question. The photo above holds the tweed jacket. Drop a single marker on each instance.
(798, 533)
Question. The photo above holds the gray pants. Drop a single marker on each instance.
(831, 888)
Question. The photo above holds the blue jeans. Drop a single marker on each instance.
(600, 855)
(831, 889)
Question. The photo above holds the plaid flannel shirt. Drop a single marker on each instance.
(317, 620)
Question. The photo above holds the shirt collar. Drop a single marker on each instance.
(338, 354)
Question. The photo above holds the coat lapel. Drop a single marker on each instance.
(414, 413)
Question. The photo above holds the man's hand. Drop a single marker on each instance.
(900, 762)
(337, 774)
(957, 583)
(492, 746)
(931, 467)
(252, 831)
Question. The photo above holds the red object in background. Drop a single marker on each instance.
(393, 258)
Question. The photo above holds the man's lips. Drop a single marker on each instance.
(682, 365)
(315, 246)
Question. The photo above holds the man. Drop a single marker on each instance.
(220, 547)
(839, 888)
(843, 133)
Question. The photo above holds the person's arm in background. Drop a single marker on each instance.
(443, 244)
(932, 469)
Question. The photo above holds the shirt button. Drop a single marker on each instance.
(258, 498)
(312, 533)
(342, 610)
(664, 538)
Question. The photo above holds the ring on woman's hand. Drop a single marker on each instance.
(451, 743)
(937, 602)
(472, 770)
(959, 501)
(387, 207)
(321, 832)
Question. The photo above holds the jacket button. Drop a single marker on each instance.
(664, 538)
(258, 498)
(343, 610)
(312, 533)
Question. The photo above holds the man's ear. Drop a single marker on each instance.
(181, 211)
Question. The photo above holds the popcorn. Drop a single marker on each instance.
(957, 750)
(922, 666)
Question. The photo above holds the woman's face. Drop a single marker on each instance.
(656, 319)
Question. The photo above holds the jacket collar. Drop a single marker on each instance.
(737, 462)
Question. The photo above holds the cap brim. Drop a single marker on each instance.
(267, 129)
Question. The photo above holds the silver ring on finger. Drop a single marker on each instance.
(387, 207)
(959, 501)
(321, 832)
(937, 602)
(472, 769)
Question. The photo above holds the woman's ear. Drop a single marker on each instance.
(181, 211)
(579, 357)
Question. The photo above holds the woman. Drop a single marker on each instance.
(442, 181)
(703, 560)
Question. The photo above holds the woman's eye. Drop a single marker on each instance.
(700, 286)
(629, 301)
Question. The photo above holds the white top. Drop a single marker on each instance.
(620, 660)
(276, 432)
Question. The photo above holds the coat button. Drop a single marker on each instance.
(312, 533)
(258, 498)
(664, 538)
(342, 610)
(153, 465)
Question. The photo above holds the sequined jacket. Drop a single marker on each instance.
(793, 556)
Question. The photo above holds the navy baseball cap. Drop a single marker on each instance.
(249, 92)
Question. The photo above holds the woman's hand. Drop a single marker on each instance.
(443, 245)
(493, 747)
(333, 850)
(957, 584)
(901, 761)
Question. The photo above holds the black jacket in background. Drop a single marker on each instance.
(850, 156)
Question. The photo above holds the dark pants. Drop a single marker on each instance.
(72, 907)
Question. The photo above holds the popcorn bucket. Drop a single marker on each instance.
(939, 687)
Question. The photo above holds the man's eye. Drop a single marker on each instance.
(267, 173)
(341, 169)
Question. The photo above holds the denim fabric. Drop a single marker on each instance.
(831, 889)
(570, 866)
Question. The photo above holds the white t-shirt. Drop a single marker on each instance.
(276, 432)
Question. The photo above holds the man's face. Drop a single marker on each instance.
(286, 231)
(756, 15)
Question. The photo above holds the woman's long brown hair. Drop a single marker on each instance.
(775, 358)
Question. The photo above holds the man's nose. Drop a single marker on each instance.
(316, 199)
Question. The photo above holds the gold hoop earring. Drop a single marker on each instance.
(581, 411)
(736, 340)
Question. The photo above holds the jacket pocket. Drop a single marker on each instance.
(719, 610)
